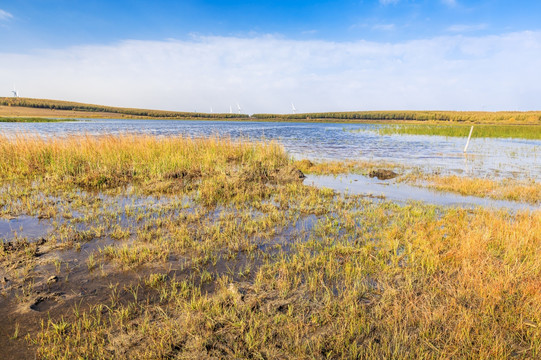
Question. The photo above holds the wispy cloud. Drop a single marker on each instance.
(267, 73)
(387, 2)
(462, 28)
(4, 15)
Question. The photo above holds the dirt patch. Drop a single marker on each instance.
(382, 174)
(289, 174)
(262, 174)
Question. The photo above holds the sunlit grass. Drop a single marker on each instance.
(507, 189)
(531, 132)
(226, 259)
(109, 161)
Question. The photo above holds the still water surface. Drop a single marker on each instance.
(494, 158)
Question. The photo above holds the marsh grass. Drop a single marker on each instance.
(108, 161)
(229, 260)
(531, 132)
(528, 191)
(381, 282)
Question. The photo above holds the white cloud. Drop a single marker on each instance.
(266, 74)
(462, 28)
(387, 2)
(4, 15)
(449, 2)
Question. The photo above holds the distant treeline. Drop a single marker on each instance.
(74, 106)
(531, 117)
(459, 116)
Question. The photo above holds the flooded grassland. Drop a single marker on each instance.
(138, 246)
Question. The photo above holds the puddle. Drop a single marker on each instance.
(23, 226)
(390, 190)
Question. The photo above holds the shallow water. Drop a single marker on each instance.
(391, 190)
(493, 158)
(23, 227)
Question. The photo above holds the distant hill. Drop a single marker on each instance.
(69, 106)
(12, 106)
(515, 117)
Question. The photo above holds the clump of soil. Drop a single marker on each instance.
(183, 175)
(289, 174)
(383, 174)
(263, 174)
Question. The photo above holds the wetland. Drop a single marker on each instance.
(183, 239)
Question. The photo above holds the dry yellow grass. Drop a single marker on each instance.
(507, 189)
(249, 279)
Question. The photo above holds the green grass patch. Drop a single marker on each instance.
(530, 132)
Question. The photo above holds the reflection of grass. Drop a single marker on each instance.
(532, 132)
(223, 266)
(31, 119)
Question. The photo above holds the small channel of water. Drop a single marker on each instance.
(391, 190)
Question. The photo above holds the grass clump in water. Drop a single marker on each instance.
(531, 132)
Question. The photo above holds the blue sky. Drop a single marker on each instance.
(322, 55)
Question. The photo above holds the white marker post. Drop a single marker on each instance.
(468, 142)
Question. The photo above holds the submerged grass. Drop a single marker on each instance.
(229, 260)
(531, 132)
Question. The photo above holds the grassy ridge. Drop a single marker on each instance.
(532, 117)
(75, 106)
(532, 132)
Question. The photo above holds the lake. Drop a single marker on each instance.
(494, 158)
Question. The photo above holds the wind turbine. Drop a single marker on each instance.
(230, 109)
(14, 92)
(293, 108)
(238, 107)
(211, 110)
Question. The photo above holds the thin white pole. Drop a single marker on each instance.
(468, 142)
